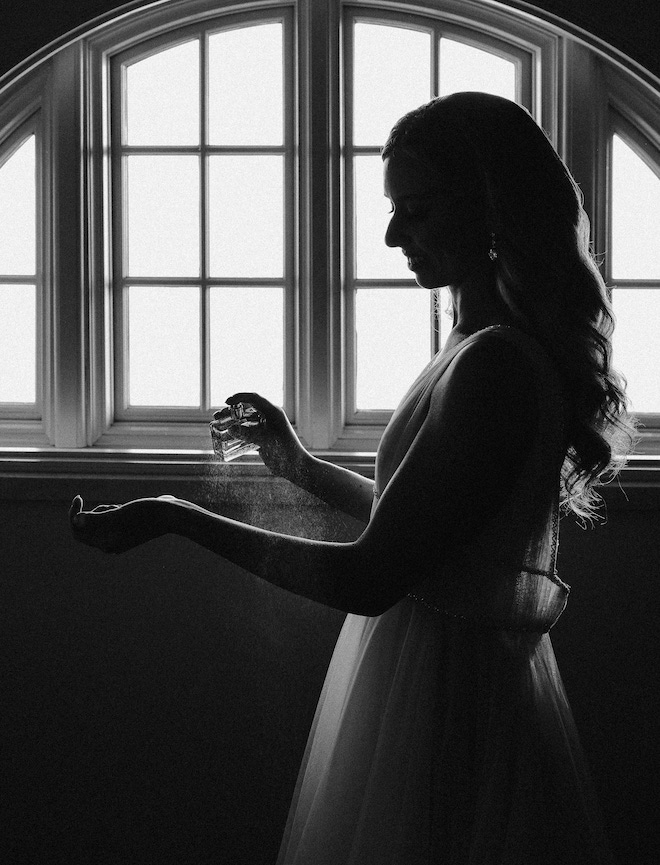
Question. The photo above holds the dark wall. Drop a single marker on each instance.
(156, 706)
(632, 26)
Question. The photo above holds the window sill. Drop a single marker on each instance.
(103, 474)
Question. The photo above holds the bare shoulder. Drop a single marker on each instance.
(470, 451)
(490, 385)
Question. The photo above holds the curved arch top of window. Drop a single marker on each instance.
(113, 23)
(161, 97)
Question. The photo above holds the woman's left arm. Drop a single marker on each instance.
(466, 457)
(333, 574)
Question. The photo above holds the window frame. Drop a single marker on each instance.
(124, 414)
(570, 73)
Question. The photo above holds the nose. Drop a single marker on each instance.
(393, 236)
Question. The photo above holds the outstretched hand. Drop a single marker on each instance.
(117, 528)
(279, 446)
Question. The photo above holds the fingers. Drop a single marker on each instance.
(109, 528)
(259, 402)
(245, 396)
(79, 518)
(75, 510)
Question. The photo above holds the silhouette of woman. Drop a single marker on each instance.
(443, 733)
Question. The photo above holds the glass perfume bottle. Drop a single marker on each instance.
(230, 431)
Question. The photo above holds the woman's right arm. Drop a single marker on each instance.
(284, 455)
(345, 490)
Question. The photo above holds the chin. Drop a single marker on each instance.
(428, 281)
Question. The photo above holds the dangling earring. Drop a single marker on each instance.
(492, 252)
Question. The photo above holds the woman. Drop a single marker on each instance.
(443, 734)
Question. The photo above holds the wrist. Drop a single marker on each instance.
(300, 467)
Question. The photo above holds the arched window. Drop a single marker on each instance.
(214, 217)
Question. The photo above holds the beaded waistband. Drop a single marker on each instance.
(483, 619)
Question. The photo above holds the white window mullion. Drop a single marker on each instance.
(98, 209)
(204, 309)
(582, 126)
(67, 420)
(319, 412)
(290, 283)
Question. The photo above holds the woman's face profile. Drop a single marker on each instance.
(438, 231)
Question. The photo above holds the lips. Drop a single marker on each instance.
(414, 261)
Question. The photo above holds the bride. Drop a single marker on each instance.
(443, 733)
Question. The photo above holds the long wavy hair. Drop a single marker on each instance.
(545, 274)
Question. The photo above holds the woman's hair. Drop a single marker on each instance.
(545, 273)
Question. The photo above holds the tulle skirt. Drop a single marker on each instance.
(436, 741)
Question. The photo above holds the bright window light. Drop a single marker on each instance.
(18, 211)
(465, 67)
(392, 75)
(635, 252)
(18, 349)
(636, 351)
(393, 335)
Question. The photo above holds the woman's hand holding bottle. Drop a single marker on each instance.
(278, 444)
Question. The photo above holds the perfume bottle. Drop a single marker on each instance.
(230, 431)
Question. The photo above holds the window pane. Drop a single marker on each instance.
(18, 211)
(374, 260)
(163, 215)
(393, 343)
(636, 349)
(245, 86)
(445, 314)
(392, 75)
(464, 67)
(247, 342)
(246, 216)
(635, 215)
(163, 346)
(18, 346)
(162, 97)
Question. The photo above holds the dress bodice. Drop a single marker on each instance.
(506, 576)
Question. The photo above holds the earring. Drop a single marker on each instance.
(492, 252)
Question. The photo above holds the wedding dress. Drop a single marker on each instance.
(443, 735)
